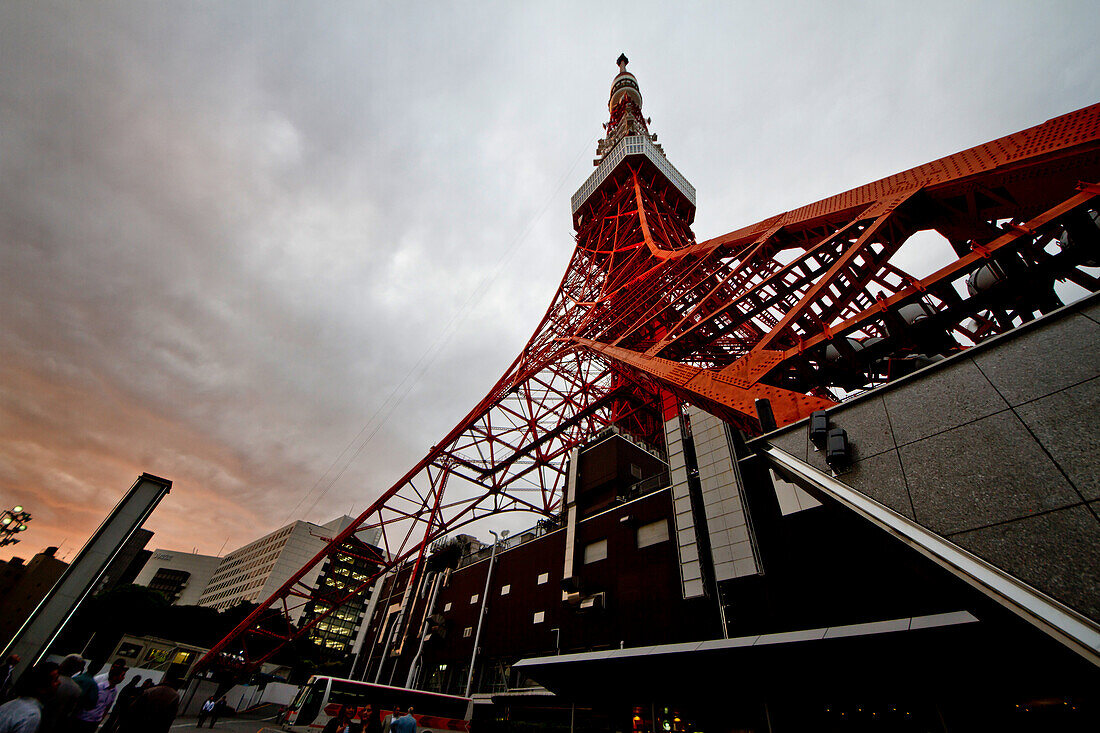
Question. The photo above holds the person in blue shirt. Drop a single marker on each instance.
(405, 724)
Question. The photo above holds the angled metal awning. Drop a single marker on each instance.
(1073, 629)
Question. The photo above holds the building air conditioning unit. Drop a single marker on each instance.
(594, 602)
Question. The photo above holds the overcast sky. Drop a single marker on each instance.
(273, 252)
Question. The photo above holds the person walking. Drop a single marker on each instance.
(219, 709)
(342, 722)
(24, 713)
(371, 722)
(405, 724)
(154, 710)
(7, 677)
(58, 713)
(89, 691)
(107, 686)
(125, 697)
(207, 710)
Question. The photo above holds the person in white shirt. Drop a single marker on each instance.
(24, 713)
(208, 709)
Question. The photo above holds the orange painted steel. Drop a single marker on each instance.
(800, 309)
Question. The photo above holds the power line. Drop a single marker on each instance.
(433, 351)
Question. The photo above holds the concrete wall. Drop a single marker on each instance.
(731, 539)
(687, 542)
(201, 568)
(997, 449)
(243, 697)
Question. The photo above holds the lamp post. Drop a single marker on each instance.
(12, 522)
(484, 602)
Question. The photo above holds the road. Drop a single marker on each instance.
(228, 725)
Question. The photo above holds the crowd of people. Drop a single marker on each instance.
(344, 721)
(66, 698)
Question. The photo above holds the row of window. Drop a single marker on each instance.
(350, 573)
(236, 587)
(249, 553)
(648, 534)
(231, 574)
(537, 618)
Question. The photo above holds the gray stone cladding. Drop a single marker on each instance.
(996, 449)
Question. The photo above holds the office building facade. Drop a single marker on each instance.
(253, 572)
(180, 576)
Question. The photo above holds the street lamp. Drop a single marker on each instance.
(12, 521)
(484, 601)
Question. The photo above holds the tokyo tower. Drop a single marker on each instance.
(801, 309)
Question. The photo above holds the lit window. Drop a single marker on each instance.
(595, 551)
(473, 598)
(505, 590)
(652, 534)
(467, 631)
(539, 617)
(543, 578)
(447, 607)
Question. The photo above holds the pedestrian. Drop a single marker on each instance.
(371, 722)
(155, 709)
(107, 686)
(7, 677)
(219, 709)
(24, 713)
(125, 697)
(206, 711)
(58, 714)
(405, 724)
(342, 722)
(89, 689)
(117, 664)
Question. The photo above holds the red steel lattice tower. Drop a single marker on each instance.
(800, 309)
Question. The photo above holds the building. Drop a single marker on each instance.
(180, 576)
(253, 572)
(920, 556)
(116, 543)
(129, 561)
(823, 618)
(24, 586)
(342, 573)
(153, 654)
(606, 574)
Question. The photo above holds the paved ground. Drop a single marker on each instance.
(227, 725)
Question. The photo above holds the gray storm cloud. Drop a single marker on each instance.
(232, 237)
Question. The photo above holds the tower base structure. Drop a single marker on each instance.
(694, 348)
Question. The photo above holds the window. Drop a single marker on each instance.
(467, 631)
(543, 578)
(635, 471)
(539, 617)
(653, 533)
(447, 607)
(595, 551)
(473, 599)
(505, 590)
(129, 650)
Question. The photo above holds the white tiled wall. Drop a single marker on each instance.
(691, 576)
(731, 541)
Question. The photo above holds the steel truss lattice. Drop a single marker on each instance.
(800, 309)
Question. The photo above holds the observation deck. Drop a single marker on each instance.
(632, 146)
